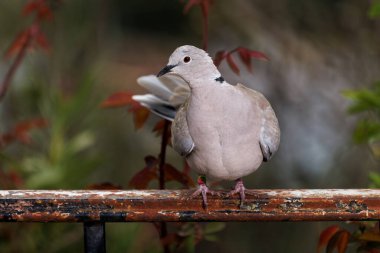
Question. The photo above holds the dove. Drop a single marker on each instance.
(224, 131)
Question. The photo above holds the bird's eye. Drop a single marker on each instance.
(186, 59)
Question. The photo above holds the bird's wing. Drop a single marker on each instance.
(156, 105)
(166, 94)
(179, 89)
(181, 138)
(270, 130)
(153, 85)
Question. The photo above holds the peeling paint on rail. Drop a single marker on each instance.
(174, 205)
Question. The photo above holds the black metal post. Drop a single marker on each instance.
(94, 237)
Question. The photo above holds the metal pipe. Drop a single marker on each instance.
(94, 237)
(175, 205)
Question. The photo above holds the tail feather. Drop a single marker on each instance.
(166, 95)
(154, 86)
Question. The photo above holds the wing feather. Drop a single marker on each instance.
(181, 139)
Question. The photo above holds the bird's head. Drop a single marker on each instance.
(191, 64)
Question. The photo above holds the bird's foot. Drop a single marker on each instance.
(239, 188)
(203, 190)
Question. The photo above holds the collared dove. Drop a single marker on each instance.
(224, 131)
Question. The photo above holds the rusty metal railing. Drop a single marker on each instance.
(93, 208)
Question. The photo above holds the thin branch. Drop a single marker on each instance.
(20, 56)
(164, 143)
(205, 31)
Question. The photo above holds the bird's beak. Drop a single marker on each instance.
(165, 70)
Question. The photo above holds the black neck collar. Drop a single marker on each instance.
(219, 79)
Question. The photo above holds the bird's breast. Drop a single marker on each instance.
(222, 125)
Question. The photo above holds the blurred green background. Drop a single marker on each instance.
(317, 50)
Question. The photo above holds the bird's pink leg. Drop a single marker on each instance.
(203, 190)
(239, 188)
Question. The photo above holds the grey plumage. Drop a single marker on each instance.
(224, 131)
(167, 94)
(181, 138)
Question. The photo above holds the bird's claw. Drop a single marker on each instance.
(239, 188)
(203, 190)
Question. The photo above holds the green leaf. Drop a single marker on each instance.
(367, 130)
(214, 227)
(82, 141)
(374, 177)
(211, 238)
(363, 100)
(190, 244)
(46, 178)
(374, 144)
(374, 10)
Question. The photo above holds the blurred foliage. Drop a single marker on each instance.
(366, 235)
(366, 101)
(366, 238)
(50, 121)
(374, 10)
(54, 125)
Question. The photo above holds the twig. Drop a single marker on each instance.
(164, 143)
(205, 30)
(8, 76)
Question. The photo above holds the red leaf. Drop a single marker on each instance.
(343, 241)
(232, 64)
(118, 99)
(30, 7)
(172, 173)
(338, 241)
(19, 42)
(32, 36)
(121, 99)
(170, 239)
(142, 178)
(41, 40)
(190, 4)
(326, 235)
(10, 179)
(44, 13)
(204, 4)
(245, 57)
(140, 115)
(219, 57)
(258, 55)
(159, 130)
(25, 126)
(40, 7)
(20, 131)
(15, 178)
(159, 127)
(369, 236)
